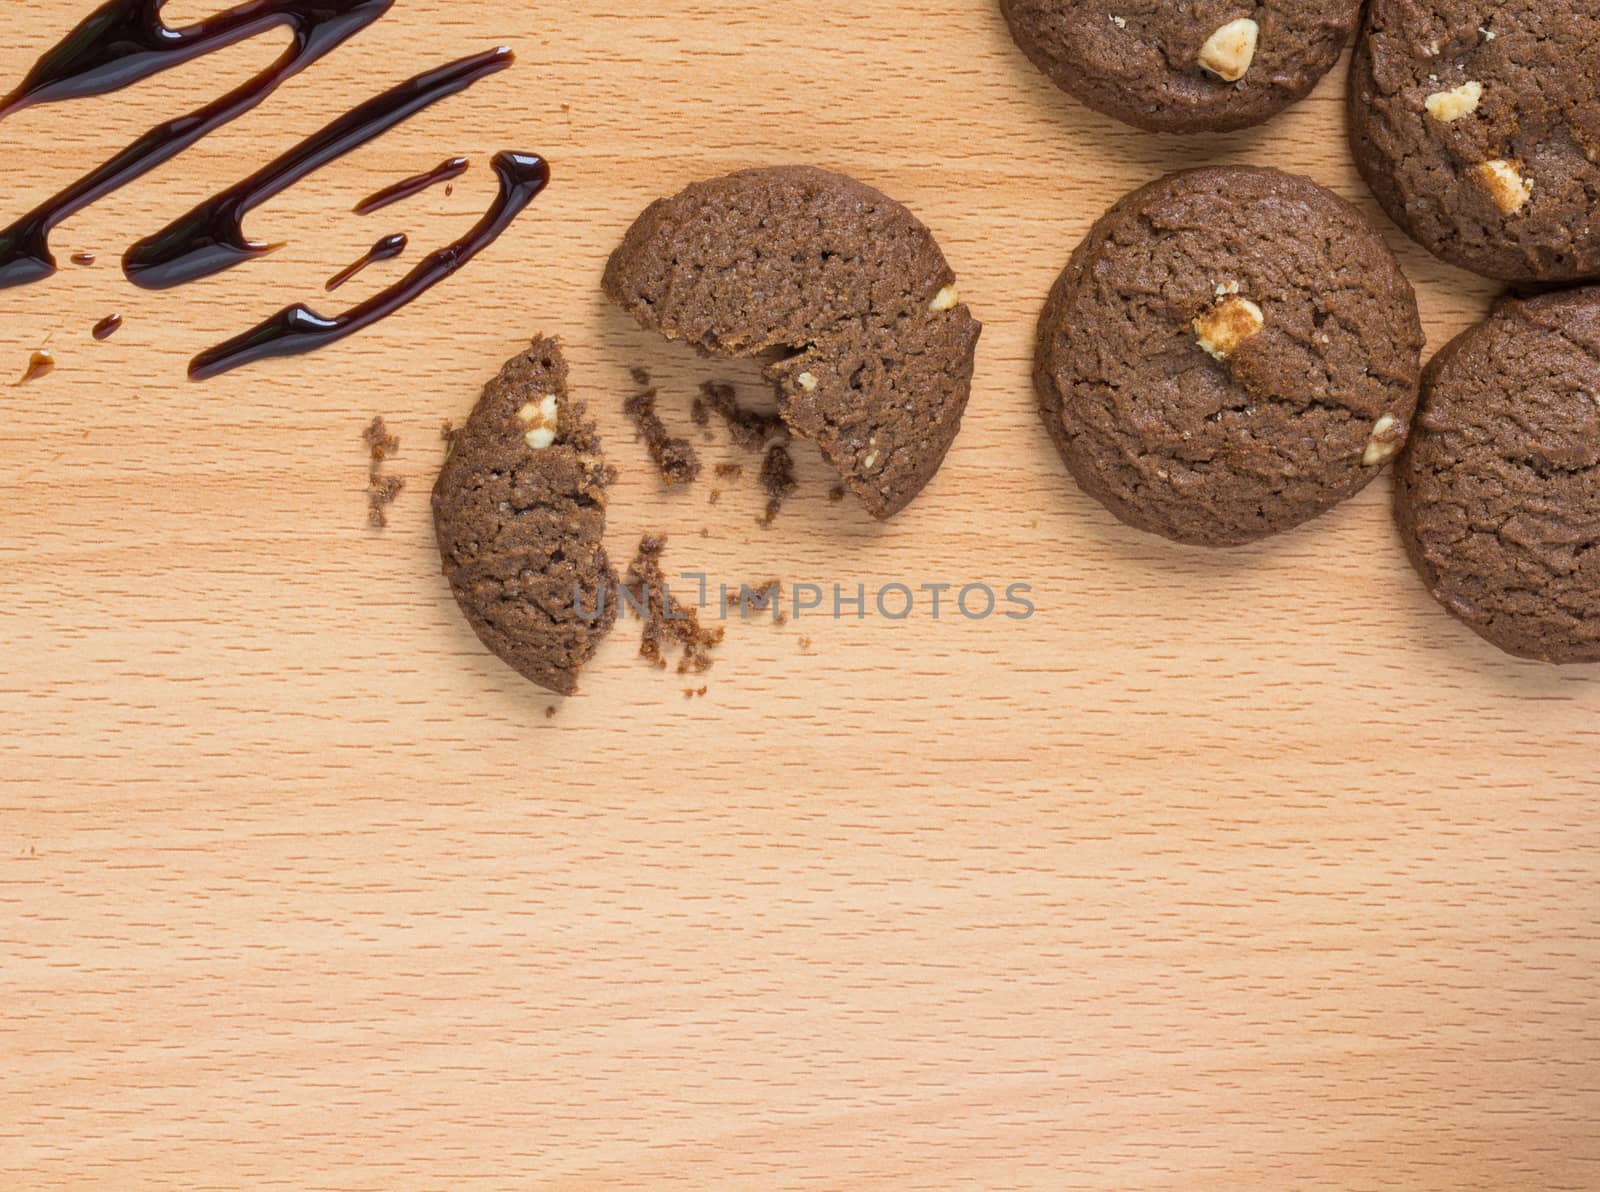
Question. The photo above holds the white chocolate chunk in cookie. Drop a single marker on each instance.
(946, 299)
(1459, 101)
(1229, 51)
(539, 418)
(806, 381)
(1383, 444)
(1225, 326)
(1505, 184)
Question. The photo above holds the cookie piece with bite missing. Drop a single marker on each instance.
(850, 286)
(519, 511)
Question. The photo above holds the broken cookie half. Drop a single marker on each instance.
(520, 513)
(845, 281)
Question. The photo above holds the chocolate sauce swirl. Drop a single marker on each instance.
(298, 329)
(124, 41)
(211, 237)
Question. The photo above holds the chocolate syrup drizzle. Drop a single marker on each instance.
(211, 237)
(298, 329)
(386, 249)
(451, 168)
(124, 41)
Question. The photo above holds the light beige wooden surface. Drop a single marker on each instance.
(1226, 871)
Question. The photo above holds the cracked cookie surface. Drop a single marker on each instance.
(1230, 352)
(1477, 125)
(1498, 493)
(1206, 66)
(519, 512)
(842, 279)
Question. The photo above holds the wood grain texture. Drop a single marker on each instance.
(1245, 870)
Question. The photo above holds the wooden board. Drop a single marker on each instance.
(1243, 870)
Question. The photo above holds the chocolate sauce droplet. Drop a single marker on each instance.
(384, 250)
(124, 41)
(40, 364)
(451, 168)
(298, 329)
(211, 237)
(107, 327)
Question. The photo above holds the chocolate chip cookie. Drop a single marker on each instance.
(848, 284)
(1229, 353)
(1205, 66)
(1498, 493)
(1477, 125)
(520, 513)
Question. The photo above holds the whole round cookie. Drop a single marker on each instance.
(1477, 125)
(1205, 66)
(1230, 352)
(1498, 493)
(846, 283)
(519, 511)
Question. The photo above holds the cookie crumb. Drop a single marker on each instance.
(381, 490)
(805, 643)
(700, 415)
(777, 478)
(837, 492)
(549, 711)
(767, 597)
(448, 432)
(381, 493)
(675, 459)
(667, 622)
(749, 429)
(716, 495)
(379, 440)
(729, 471)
